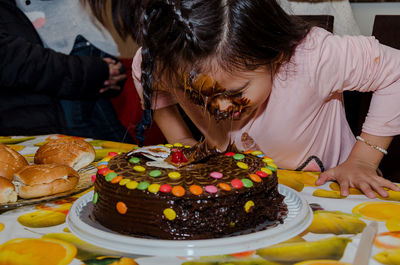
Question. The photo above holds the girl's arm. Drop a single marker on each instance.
(173, 126)
(360, 168)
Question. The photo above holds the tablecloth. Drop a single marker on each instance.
(38, 234)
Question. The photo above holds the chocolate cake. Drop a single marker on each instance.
(181, 192)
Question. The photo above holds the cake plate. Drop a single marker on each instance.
(80, 223)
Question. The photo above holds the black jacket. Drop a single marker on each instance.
(33, 78)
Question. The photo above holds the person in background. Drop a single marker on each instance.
(34, 79)
(247, 72)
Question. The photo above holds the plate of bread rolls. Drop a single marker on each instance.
(61, 167)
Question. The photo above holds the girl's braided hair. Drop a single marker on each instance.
(179, 36)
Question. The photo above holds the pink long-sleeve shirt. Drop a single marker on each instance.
(304, 119)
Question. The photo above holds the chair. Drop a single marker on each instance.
(386, 29)
(323, 21)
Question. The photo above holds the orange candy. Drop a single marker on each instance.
(102, 166)
(116, 179)
(253, 177)
(178, 191)
(121, 207)
(224, 186)
(248, 152)
(196, 189)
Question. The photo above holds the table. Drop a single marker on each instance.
(39, 231)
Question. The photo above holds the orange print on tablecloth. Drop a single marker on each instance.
(35, 251)
(378, 211)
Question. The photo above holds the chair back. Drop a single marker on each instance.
(386, 29)
(323, 21)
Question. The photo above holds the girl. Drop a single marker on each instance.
(246, 72)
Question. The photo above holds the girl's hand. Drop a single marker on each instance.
(358, 174)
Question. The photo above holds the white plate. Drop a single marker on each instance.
(298, 219)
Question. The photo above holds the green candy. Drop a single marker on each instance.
(95, 197)
(238, 156)
(110, 176)
(247, 183)
(143, 185)
(134, 160)
(155, 173)
(273, 169)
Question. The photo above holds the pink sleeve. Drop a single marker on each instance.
(161, 99)
(360, 63)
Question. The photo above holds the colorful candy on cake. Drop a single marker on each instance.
(182, 192)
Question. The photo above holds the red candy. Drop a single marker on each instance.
(237, 183)
(103, 170)
(165, 188)
(262, 174)
(178, 157)
(229, 154)
(112, 153)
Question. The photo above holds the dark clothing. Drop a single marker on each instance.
(93, 118)
(33, 79)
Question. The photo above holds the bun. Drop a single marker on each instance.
(41, 180)
(10, 161)
(7, 191)
(73, 152)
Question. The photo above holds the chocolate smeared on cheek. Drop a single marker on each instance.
(203, 91)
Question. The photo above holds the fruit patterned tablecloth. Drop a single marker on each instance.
(38, 235)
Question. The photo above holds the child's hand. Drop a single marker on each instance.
(357, 174)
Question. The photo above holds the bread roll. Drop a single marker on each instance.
(10, 161)
(73, 152)
(42, 180)
(7, 191)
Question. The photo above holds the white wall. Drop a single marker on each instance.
(364, 13)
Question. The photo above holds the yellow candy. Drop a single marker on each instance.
(168, 145)
(132, 185)
(169, 214)
(187, 146)
(272, 165)
(268, 160)
(139, 168)
(248, 206)
(254, 153)
(106, 159)
(174, 175)
(154, 188)
(266, 170)
(178, 145)
(124, 182)
(242, 165)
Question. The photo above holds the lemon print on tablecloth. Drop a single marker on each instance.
(42, 218)
(308, 178)
(335, 222)
(322, 262)
(35, 251)
(388, 257)
(331, 248)
(107, 260)
(85, 250)
(377, 211)
(1, 226)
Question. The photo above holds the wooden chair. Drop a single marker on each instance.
(387, 30)
(323, 21)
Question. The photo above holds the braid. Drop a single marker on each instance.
(157, 43)
(183, 20)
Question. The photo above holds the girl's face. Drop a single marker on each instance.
(226, 95)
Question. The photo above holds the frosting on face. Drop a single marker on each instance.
(204, 91)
